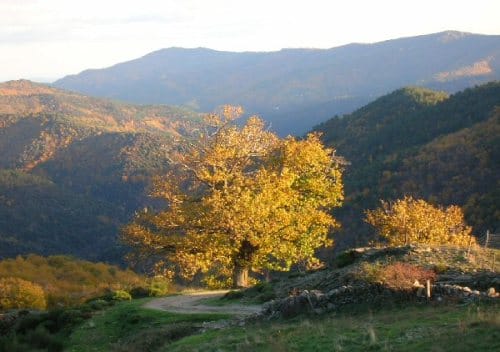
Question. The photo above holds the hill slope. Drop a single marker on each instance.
(296, 88)
(423, 143)
(73, 168)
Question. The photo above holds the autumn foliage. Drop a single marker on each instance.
(240, 199)
(398, 275)
(60, 281)
(19, 293)
(409, 220)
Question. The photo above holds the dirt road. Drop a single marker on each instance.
(192, 302)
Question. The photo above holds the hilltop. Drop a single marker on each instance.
(424, 143)
(74, 168)
(294, 89)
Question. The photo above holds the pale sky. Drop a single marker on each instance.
(47, 39)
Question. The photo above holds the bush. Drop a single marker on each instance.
(399, 275)
(121, 295)
(261, 292)
(17, 293)
(344, 259)
(40, 338)
(139, 292)
(158, 286)
(68, 281)
(98, 304)
(409, 220)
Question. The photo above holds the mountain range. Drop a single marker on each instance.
(295, 89)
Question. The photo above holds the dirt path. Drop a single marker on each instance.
(192, 303)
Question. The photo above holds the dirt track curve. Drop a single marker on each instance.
(192, 302)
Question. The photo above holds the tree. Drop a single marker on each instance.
(240, 199)
(409, 220)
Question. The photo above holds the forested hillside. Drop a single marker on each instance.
(74, 168)
(423, 143)
(295, 89)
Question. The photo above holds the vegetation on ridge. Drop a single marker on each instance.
(423, 144)
(409, 221)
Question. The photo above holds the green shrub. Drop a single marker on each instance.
(261, 292)
(344, 259)
(98, 304)
(121, 295)
(159, 286)
(29, 322)
(42, 339)
(140, 292)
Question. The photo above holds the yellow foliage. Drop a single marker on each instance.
(411, 220)
(17, 293)
(241, 198)
(67, 281)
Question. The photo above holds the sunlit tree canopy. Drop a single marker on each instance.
(410, 220)
(240, 199)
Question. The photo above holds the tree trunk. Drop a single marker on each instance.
(243, 263)
(240, 277)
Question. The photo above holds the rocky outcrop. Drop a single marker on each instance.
(318, 302)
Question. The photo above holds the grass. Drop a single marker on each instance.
(257, 294)
(414, 328)
(128, 326)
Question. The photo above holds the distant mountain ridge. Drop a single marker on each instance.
(295, 89)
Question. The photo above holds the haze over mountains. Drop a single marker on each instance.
(295, 89)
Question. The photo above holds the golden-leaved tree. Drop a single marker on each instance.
(16, 293)
(410, 220)
(240, 199)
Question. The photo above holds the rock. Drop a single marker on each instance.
(491, 292)
(476, 292)
(466, 289)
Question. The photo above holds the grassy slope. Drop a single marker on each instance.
(389, 327)
(128, 327)
(445, 328)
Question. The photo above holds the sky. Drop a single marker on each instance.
(43, 40)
